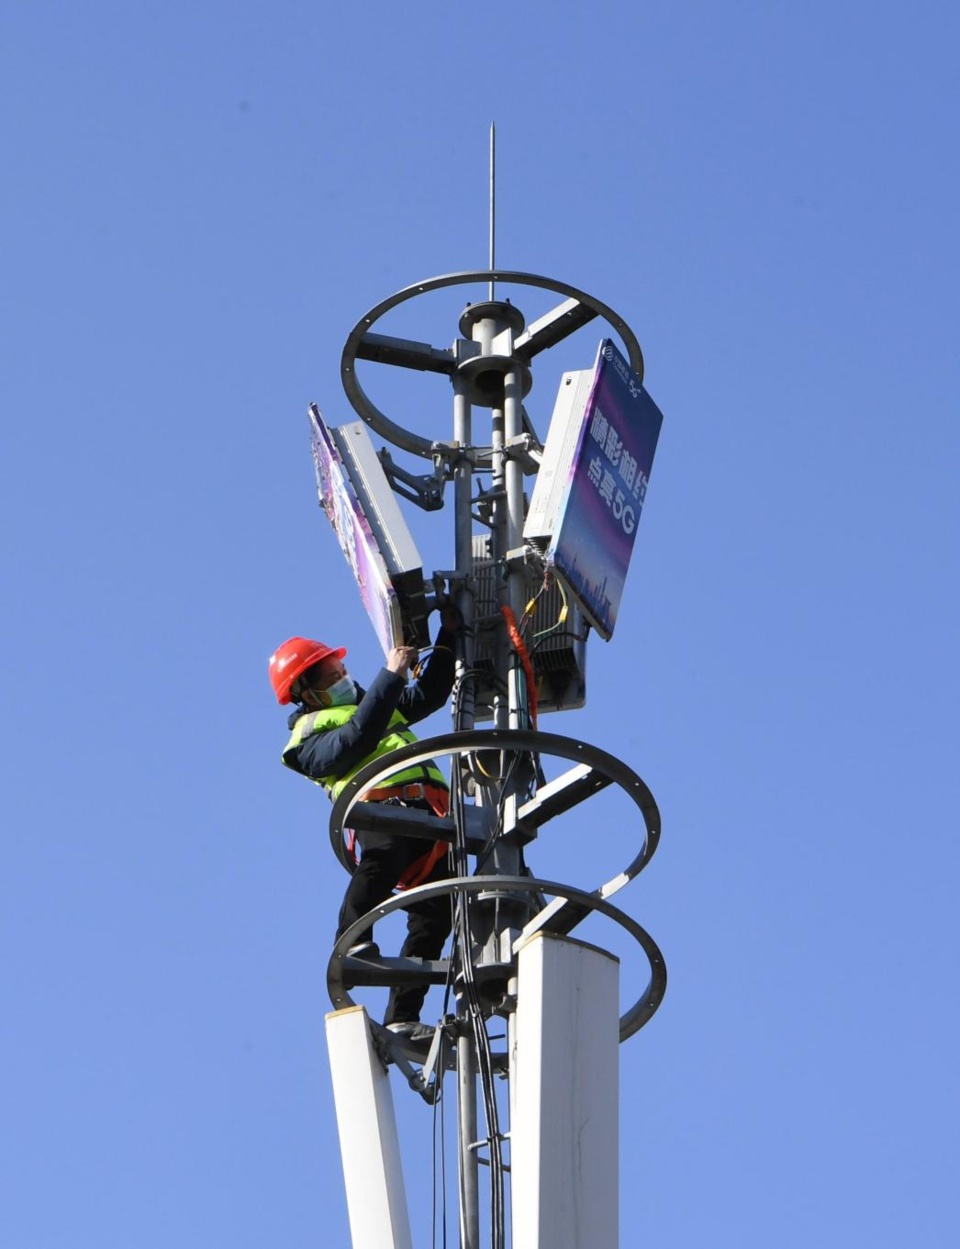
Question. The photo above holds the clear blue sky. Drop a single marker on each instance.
(199, 202)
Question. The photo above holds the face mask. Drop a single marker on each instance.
(340, 693)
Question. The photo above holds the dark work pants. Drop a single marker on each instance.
(384, 860)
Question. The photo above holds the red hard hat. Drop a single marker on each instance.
(293, 658)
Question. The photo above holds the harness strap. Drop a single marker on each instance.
(420, 869)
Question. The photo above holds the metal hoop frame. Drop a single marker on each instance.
(514, 740)
(426, 447)
(630, 1022)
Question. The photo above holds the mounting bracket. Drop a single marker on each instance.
(423, 489)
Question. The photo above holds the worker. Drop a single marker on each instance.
(338, 727)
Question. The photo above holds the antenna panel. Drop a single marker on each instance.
(563, 437)
(356, 496)
(590, 490)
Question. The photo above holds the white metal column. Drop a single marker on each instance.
(369, 1146)
(564, 1137)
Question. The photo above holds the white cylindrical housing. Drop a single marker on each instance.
(369, 1146)
(564, 1137)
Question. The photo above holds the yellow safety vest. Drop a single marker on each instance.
(397, 735)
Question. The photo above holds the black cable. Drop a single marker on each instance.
(439, 1100)
(433, 1194)
(460, 940)
(485, 1071)
(481, 1040)
(460, 870)
(550, 637)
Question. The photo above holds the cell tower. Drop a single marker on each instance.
(550, 1155)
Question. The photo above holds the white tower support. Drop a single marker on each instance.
(369, 1146)
(564, 1138)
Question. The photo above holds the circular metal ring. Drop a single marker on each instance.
(517, 740)
(630, 1022)
(404, 438)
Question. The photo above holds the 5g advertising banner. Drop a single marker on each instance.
(596, 527)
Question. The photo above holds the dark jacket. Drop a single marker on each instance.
(336, 751)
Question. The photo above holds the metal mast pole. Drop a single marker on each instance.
(490, 327)
(493, 209)
(468, 1161)
(463, 545)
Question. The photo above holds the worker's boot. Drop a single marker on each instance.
(412, 1030)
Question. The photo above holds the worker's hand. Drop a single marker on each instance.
(401, 659)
